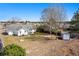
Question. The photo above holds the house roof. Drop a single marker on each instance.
(16, 27)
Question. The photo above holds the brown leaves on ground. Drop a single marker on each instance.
(71, 48)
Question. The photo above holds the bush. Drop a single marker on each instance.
(56, 32)
(1, 52)
(46, 29)
(40, 29)
(13, 50)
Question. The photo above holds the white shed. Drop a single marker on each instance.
(65, 35)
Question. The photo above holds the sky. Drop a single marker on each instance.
(31, 11)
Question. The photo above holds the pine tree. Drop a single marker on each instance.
(75, 18)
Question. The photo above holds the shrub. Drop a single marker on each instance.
(56, 32)
(14, 50)
(46, 29)
(1, 52)
(40, 29)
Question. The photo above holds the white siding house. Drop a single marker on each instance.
(33, 31)
(19, 30)
(10, 33)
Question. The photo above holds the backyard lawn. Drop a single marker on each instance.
(42, 45)
(36, 37)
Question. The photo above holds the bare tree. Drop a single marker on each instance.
(53, 15)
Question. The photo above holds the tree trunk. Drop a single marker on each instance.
(50, 31)
(56, 34)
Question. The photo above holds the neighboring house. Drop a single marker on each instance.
(19, 30)
(64, 25)
(61, 25)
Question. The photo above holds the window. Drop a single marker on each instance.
(20, 32)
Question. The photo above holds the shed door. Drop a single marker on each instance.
(66, 36)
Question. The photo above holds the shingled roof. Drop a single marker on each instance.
(16, 27)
